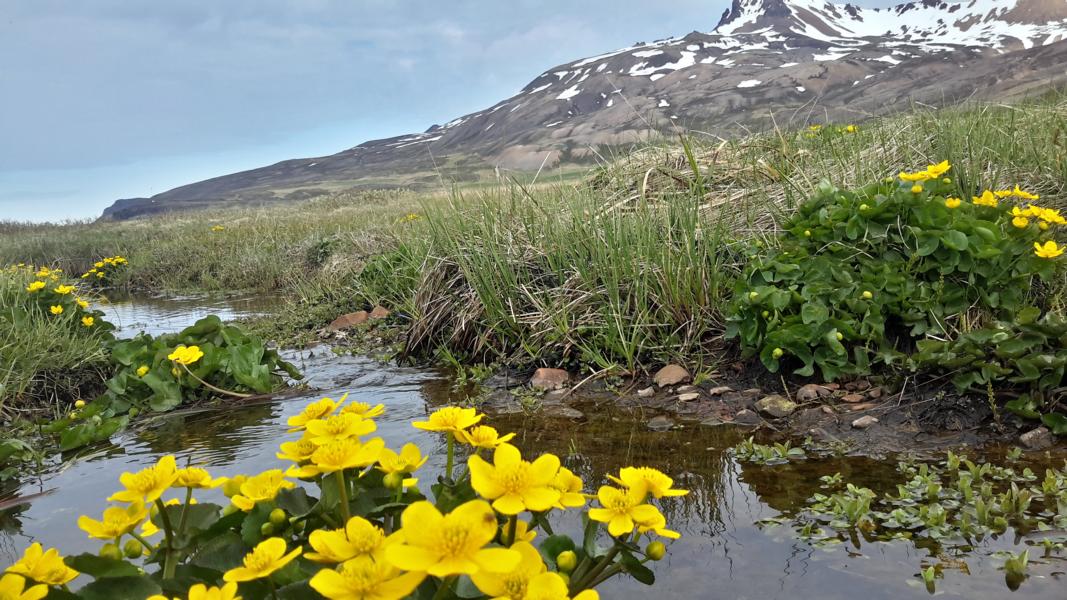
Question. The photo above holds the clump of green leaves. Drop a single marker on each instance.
(857, 277)
(146, 379)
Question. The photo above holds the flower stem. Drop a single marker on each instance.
(450, 455)
(583, 584)
(213, 388)
(169, 565)
(513, 526)
(342, 491)
(185, 511)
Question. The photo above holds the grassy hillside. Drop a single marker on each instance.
(628, 267)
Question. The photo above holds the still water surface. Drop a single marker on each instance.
(722, 554)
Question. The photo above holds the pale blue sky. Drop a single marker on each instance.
(102, 99)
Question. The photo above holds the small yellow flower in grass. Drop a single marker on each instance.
(939, 169)
(365, 579)
(299, 451)
(407, 461)
(512, 584)
(186, 355)
(79, 403)
(551, 586)
(148, 484)
(483, 436)
(952, 202)
(196, 478)
(1017, 192)
(1043, 226)
(513, 484)
(267, 557)
(338, 427)
(88, 321)
(851, 129)
(200, 591)
(450, 418)
(100, 275)
(314, 411)
(217, 228)
(359, 537)
(916, 189)
(63, 290)
(452, 544)
(13, 587)
(116, 522)
(81, 303)
(56, 309)
(1020, 222)
(622, 510)
(260, 488)
(986, 199)
(569, 487)
(142, 370)
(647, 480)
(35, 286)
(364, 409)
(814, 127)
(1049, 249)
(339, 455)
(99, 264)
(43, 567)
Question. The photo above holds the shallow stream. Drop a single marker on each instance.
(723, 552)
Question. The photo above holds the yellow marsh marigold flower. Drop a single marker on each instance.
(986, 199)
(450, 418)
(299, 451)
(267, 557)
(365, 579)
(56, 309)
(43, 567)
(63, 290)
(261, 488)
(452, 544)
(851, 129)
(916, 176)
(952, 202)
(217, 228)
(359, 537)
(13, 587)
(79, 403)
(551, 586)
(116, 522)
(148, 484)
(647, 480)
(483, 436)
(939, 169)
(364, 409)
(99, 264)
(916, 189)
(622, 510)
(338, 427)
(44, 272)
(523, 532)
(569, 486)
(314, 411)
(232, 486)
(512, 585)
(1020, 222)
(340, 455)
(658, 525)
(142, 370)
(186, 355)
(196, 478)
(88, 321)
(407, 461)
(200, 591)
(1048, 250)
(513, 484)
(814, 127)
(1017, 192)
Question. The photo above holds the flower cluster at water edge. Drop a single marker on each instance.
(104, 269)
(369, 531)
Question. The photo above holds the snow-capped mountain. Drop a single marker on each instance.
(786, 58)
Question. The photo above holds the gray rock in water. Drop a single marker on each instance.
(748, 418)
(671, 375)
(776, 406)
(689, 397)
(1037, 439)
(660, 423)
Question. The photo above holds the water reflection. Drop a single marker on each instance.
(157, 315)
(722, 554)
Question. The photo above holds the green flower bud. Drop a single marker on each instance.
(133, 412)
(655, 551)
(266, 529)
(278, 517)
(807, 233)
(753, 295)
(132, 549)
(777, 353)
(867, 295)
(766, 314)
(393, 481)
(111, 551)
(840, 336)
(566, 561)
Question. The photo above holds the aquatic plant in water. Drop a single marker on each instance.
(370, 532)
